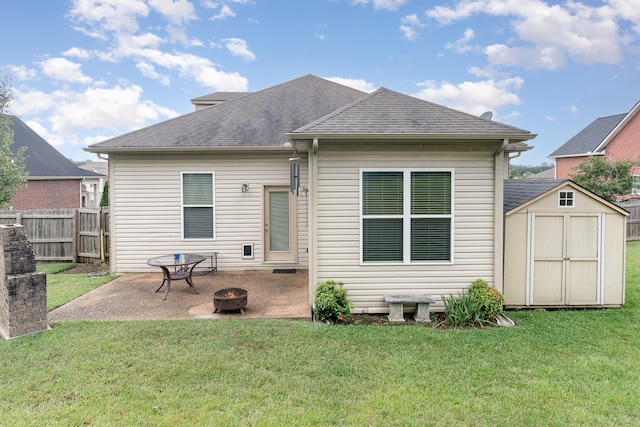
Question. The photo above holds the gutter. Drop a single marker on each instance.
(164, 150)
(515, 137)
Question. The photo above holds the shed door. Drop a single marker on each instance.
(565, 261)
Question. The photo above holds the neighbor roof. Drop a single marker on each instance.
(41, 159)
(589, 139)
(386, 112)
(101, 168)
(520, 191)
(257, 120)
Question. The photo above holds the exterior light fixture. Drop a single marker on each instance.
(245, 188)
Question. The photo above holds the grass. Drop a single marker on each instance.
(62, 288)
(557, 368)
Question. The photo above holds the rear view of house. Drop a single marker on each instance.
(382, 191)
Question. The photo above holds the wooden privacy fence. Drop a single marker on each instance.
(633, 220)
(76, 235)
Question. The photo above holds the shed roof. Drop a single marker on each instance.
(519, 191)
(41, 158)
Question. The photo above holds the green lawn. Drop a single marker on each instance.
(557, 368)
(62, 288)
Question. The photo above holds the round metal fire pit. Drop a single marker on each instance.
(228, 299)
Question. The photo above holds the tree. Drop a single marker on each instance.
(605, 177)
(12, 173)
(104, 201)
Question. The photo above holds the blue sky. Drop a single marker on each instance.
(86, 70)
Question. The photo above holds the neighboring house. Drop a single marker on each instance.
(395, 194)
(54, 181)
(92, 187)
(545, 174)
(617, 137)
(564, 246)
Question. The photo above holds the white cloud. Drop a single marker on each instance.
(225, 12)
(76, 52)
(473, 97)
(112, 15)
(549, 58)
(359, 84)
(462, 45)
(22, 72)
(382, 4)
(63, 69)
(571, 109)
(225, 6)
(238, 47)
(409, 25)
(549, 35)
(175, 11)
(70, 113)
(149, 71)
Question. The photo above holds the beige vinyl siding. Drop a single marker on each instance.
(338, 217)
(147, 211)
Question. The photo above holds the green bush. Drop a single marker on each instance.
(331, 301)
(490, 299)
(462, 310)
(480, 305)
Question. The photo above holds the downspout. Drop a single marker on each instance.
(498, 220)
(313, 220)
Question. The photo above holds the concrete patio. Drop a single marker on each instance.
(133, 297)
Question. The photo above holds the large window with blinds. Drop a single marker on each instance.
(406, 216)
(198, 211)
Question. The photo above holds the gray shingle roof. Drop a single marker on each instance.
(41, 159)
(388, 112)
(519, 191)
(258, 119)
(589, 138)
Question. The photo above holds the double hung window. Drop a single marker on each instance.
(406, 216)
(198, 211)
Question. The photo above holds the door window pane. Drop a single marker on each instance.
(279, 220)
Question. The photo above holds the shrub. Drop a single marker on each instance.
(331, 301)
(480, 305)
(490, 299)
(462, 310)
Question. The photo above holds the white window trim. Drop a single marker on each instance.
(573, 199)
(213, 206)
(407, 216)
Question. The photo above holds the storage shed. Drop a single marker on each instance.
(564, 246)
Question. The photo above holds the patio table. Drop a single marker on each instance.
(176, 267)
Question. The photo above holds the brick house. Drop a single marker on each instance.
(54, 181)
(617, 137)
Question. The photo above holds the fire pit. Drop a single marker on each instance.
(230, 299)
